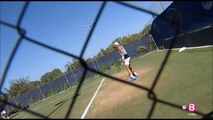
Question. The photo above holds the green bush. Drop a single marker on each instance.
(64, 86)
(142, 50)
(114, 64)
(103, 68)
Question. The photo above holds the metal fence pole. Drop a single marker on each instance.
(40, 91)
(67, 80)
(73, 75)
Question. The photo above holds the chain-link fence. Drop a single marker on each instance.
(86, 68)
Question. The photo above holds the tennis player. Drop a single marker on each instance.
(126, 59)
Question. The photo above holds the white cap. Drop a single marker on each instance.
(116, 44)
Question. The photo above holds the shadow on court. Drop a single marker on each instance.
(59, 104)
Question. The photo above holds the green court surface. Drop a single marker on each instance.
(187, 76)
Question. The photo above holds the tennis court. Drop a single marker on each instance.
(187, 82)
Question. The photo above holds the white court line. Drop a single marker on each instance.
(189, 48)
(57, 100)
(88, 106)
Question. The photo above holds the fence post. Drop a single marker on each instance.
(150, 35)
(40, 91)
(67, 80)
(74, 76)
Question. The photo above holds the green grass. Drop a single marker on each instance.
(187, 76)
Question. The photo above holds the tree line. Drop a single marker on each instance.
(24, 84)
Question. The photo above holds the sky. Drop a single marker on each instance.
(62, 25)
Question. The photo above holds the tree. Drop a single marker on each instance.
(124, 40)
(99, 54)
(145, 30)
(55, 73)
(70, 66)
(94, 58)
(18, 86)
(103, 51)
(109, 49)
(33, 84)
(75, 63)
(88, 60)
(45, 78)
(134, 37)
(67, 67)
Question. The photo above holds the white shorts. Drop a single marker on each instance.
(126, 61)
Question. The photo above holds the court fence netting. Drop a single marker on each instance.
(150, 91)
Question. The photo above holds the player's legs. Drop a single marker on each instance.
(128, 70)
(135, 74)
(127, 64)
(133, 71)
